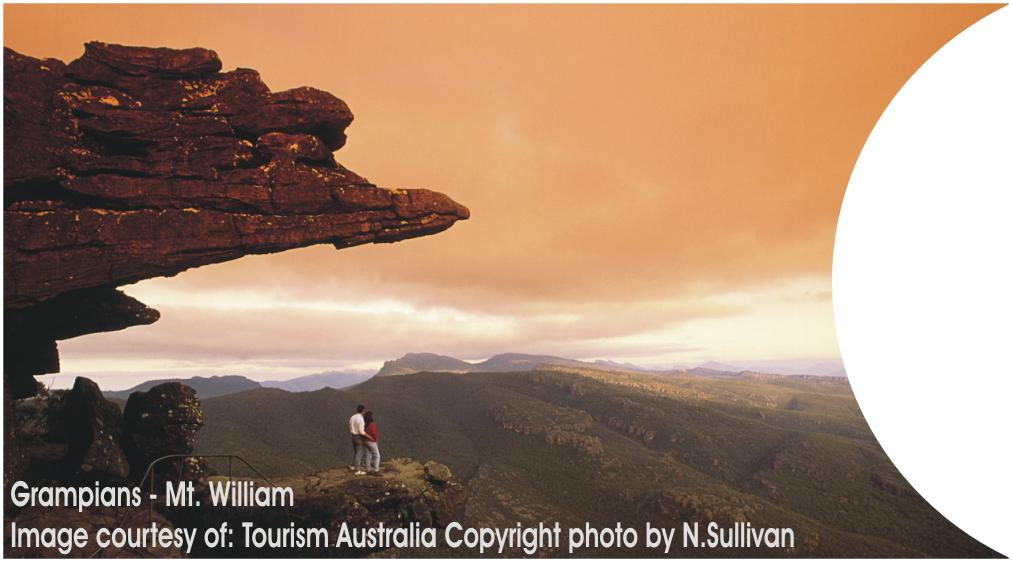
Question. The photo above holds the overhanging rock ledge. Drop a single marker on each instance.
(133, 162)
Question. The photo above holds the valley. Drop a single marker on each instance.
(581, 445)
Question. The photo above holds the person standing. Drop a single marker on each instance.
(356, 425)
(372, 462)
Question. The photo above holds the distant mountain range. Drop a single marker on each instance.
(511, 362)
(827, 368)
(329, 379)
(424, 362)
(206, 387)
(592, 446)
(717, 366)
(502, 363)
(210, 387)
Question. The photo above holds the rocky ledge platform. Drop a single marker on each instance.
(407, 492)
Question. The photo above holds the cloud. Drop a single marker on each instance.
(275, 335)
(648, 182)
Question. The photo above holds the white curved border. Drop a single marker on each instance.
(922, 277)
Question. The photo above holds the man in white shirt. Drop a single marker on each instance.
(356, 425)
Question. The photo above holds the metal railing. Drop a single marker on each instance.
(149, 475)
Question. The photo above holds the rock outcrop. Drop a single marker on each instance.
(79, 437)
(131, 162)
(558, 425)
(165, 420)
(670, 505)
(632, 429)
(891, 481)
(406, 493)
(162, 421)
(586, 444)
(93, 427)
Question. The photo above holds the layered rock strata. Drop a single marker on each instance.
(132, 162)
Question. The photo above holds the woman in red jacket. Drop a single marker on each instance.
(372, 462)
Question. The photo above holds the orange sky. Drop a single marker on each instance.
(652, 183)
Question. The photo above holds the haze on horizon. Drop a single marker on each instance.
(652, 184)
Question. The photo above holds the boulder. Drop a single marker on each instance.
(437, 472)
(93, 427)
(162, 421)
(15, 459)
